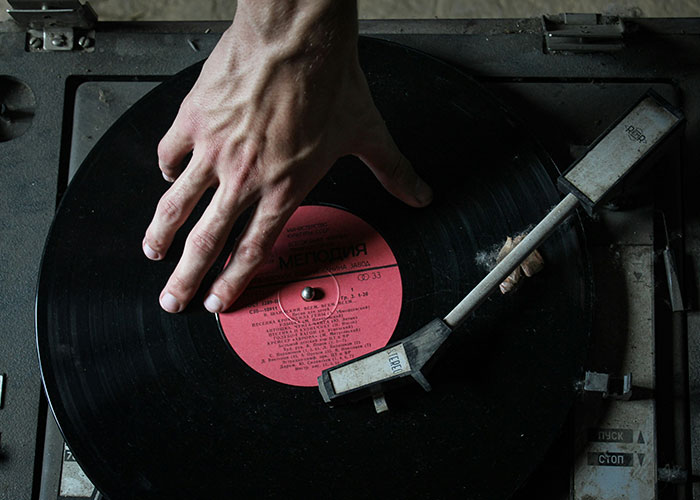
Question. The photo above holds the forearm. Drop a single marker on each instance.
(288, 57)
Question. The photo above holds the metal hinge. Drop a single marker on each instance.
(582, 33)
(56, 25)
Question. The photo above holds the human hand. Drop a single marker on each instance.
(281, 97)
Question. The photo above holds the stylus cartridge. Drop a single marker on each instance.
(397, 363)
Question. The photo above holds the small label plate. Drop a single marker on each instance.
(385, 364)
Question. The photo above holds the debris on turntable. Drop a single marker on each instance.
(532, 264)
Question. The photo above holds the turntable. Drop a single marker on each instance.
(624, 426)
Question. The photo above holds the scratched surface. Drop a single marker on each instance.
(33, 155)
(130, 10)
(618, 460)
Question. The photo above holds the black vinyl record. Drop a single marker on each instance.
(156, 405)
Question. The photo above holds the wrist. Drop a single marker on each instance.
(297, 24)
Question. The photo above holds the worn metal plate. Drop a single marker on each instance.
(619, 460)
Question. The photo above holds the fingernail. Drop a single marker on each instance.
(169, 303)
(213, 304)
(168, 178)
(423, 192)
(150, 253)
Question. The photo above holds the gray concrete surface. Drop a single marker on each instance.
(114, 10)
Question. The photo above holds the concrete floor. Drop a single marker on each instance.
(112, 10)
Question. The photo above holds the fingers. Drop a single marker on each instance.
(252, 249)
(172, 149)
(379, 151)
(203, 245)
(173, 209)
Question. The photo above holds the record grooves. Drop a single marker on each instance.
(155, 405)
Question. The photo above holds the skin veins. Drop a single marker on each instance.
(281, 97)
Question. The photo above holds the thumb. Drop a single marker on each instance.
(379, 152)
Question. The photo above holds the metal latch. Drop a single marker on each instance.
(56, 25)
(582, 33)
(611, 387)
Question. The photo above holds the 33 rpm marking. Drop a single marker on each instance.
(353, 280)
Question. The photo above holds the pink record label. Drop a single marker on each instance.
(356, 286)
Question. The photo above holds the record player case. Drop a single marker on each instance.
(646, 446)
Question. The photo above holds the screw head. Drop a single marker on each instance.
(308, 293)
(85, 42)
(58, 41)
(35, 42)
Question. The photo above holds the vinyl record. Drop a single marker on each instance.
(156, 405)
